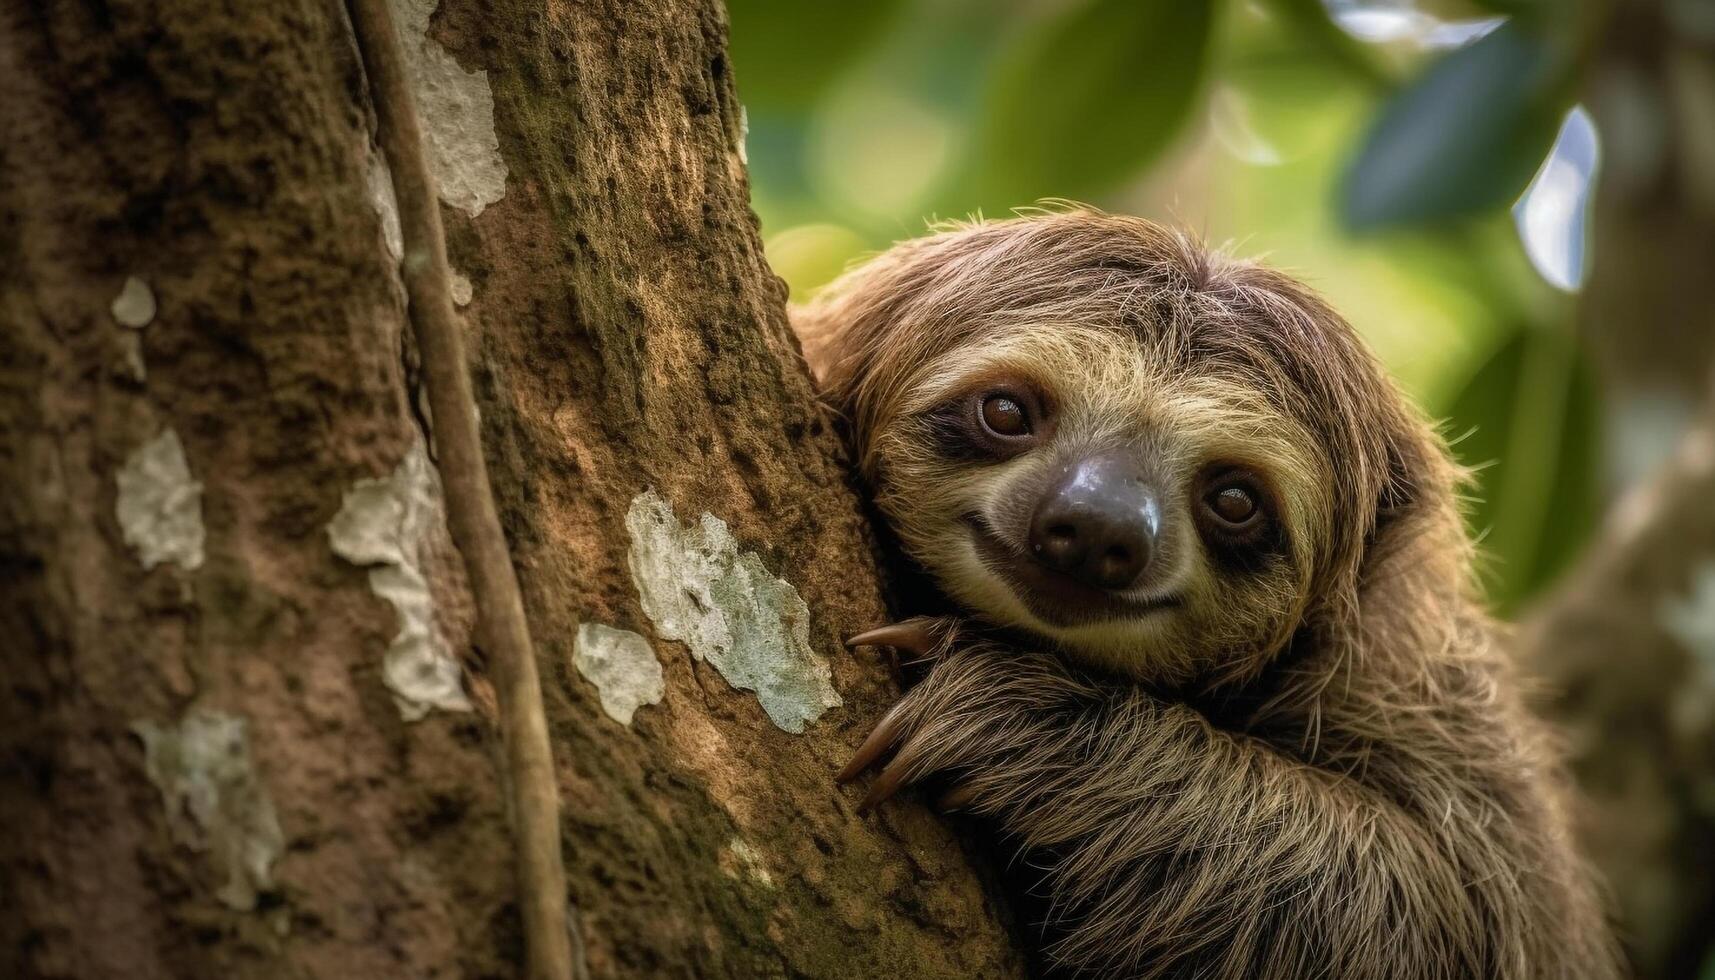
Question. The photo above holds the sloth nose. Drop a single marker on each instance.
(1098, 524)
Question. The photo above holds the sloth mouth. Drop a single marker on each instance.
(1050, 596)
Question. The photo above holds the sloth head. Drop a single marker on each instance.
(1087, 427)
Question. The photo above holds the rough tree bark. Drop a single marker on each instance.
(224, 576)
(1627, 643)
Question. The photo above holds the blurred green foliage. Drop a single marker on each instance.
(1076, 107)
(1371, 147)
(1464, 138)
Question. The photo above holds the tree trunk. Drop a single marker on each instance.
(1628, 641)
(237, 736)
(1629, 646)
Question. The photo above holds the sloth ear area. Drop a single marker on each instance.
(1420, 471)
(847, 326)
(819, 338)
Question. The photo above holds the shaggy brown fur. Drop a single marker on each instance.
(1317, 766)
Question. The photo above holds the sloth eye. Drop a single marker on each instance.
(999, 421)
(1232, 504)
(1235, 515)
(1005, 417)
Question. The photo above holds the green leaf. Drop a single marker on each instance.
(786, 52)
(1527, 422)
(1309, 20)
(1466, 137)
(1091, 98)
(1298, 97)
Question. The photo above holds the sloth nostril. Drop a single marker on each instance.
(1117, 568)
(1058, 545)
(1093, 527)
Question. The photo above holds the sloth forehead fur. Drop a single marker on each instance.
(1121, 339)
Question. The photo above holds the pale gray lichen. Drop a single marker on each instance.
(132, 344)
(159, 505)
(749, 860)
(389, 524)
(214, 800)
(461, 289)
(457, 111)
(697, 587)
(378, 183)
(134, 307)
(622, 666)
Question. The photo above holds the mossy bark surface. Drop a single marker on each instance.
(627, 336)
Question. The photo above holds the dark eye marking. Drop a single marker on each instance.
(1237, 518)
(993, 422)
(947, 430)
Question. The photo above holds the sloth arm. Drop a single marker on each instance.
(1170, 847)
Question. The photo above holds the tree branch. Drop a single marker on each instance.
(472, 517)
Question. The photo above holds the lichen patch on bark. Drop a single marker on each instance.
(462, 289)
(215, 802)
(738, 858)
(134, 307)
(378, 186)
(160, 504)
(131, 345)
(390, 524)
(622, 666)
(457, 112)
(699, 588)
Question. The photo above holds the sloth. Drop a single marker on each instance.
(1216, 666)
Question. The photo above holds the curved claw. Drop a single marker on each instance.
(916, 635)
(880, 739)
(957, 798)
(892, 779)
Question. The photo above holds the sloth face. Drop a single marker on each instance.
(1107, 490)
(1091, 428)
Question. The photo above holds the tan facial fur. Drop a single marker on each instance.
(1110, 326)
(1107, 389)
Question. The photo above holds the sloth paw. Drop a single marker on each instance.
(906, 767)
(925, 638)
(881, 738)
(970, 724)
